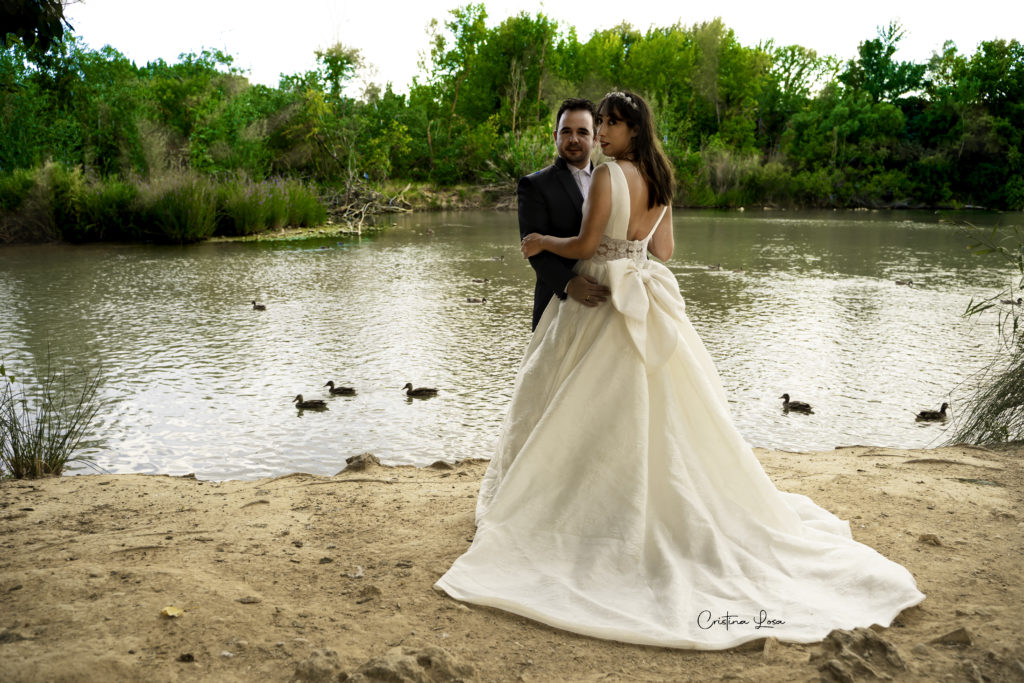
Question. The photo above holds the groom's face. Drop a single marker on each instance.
(574, 137)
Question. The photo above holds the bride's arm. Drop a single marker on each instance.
(663, 243)
(596, 211)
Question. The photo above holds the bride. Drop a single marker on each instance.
(622, 502)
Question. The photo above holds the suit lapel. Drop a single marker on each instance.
(569, 184)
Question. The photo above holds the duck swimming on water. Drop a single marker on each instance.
(795, 406)
(419, 392)
(932, 415)
(339, 391)
(311, 404)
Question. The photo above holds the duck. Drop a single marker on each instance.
(717, 266)
(258, 307)
(481, 280)
(339, 391)
(907, 283)
(1011, 302)
(475, 300)
(795, 406)
(932, 415)
(419, 392)
(311, 404)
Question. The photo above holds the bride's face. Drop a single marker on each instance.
(614, 135)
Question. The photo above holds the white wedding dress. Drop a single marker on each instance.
(622, 502)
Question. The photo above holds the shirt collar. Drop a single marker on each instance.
(577, 171)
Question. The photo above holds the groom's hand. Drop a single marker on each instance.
(587, 291)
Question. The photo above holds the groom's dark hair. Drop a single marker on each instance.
(575, 104)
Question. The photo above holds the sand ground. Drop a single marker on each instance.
(313, 578)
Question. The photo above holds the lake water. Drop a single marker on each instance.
(197, 381)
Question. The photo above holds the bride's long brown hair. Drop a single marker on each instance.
(646, 151)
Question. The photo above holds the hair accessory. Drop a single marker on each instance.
(622, 96)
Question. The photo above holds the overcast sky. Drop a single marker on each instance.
(271, 38)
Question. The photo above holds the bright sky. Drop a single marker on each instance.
(270, 38)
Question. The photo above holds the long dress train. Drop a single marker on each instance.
(622, 502)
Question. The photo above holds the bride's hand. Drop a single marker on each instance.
(531, 244)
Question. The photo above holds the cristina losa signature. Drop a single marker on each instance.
(761, 620)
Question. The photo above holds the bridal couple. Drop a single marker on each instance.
(622, 502)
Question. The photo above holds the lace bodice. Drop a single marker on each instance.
(614, 244)
(611, 249)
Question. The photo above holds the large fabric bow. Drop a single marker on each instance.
(647, 294)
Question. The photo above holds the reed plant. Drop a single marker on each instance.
(107, 210)
(304, 206)
(53, 202)
(240, 210)
(993, 410)
(247, 208)
(42, 432)
(275, 200)
(178, 207)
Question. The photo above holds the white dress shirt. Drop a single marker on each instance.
(582, 178)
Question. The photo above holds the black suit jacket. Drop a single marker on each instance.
(550, 203)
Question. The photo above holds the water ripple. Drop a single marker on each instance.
(197, 381)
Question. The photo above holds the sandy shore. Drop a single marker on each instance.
(303, 577)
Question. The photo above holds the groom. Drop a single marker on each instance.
(551, 203)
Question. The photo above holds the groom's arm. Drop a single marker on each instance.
(534, 216)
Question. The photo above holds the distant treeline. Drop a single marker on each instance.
(743, 125)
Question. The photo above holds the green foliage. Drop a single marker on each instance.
(516, 156)
(875, 72)
(14, 188)
(337, 64)
(36, 23)
(741, 124)
(42, 429)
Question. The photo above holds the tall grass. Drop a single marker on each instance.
(178, 208)
(248, 208)
(107, 211)
(241, 209)
(42, 432)
(994, 408)
(54, 202)
(304, 206)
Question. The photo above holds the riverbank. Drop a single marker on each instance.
(302, 577)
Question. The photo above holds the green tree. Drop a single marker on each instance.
(795, 74)
(876, 73)
(38, 24)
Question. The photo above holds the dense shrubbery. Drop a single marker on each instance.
(742, 125)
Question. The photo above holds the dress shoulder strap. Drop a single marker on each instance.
(656, 223)
(618, 220)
